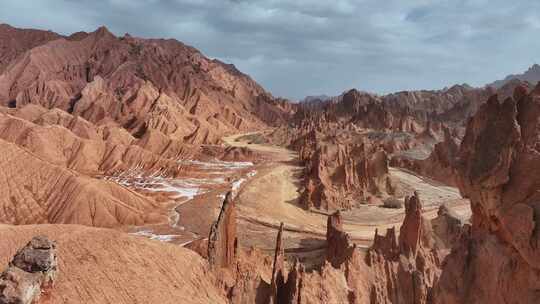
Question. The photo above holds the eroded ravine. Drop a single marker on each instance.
(272, 196)
(267, 193)
(206, 181)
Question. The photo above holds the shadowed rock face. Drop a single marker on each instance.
(440, 165)
(447, 226)
(222, 242)
(411, 230)
(17, 41)
(32, 269)
(339, 248)
(278, 277)
(338, 174)
(406, 269)
(499, 171)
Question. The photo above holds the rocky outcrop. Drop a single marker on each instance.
(277, 285)
(411, 231)
(499, 172)
(338, 174)
(338, 248)
(440, 165)
(33, 269)
(245, 275)
(405, 269)
(395, 269)
(222, 241)
(447, 227)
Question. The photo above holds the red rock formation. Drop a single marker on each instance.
(447, 227)
(337, 175)
(406, 269)
(17, 41)
(338, 248)
(139, 84)
(499, 171)
(249, 283)
(80, 109)
(222, 241)
(244, 275)
(411, 230)
(393, 271)
(38, 191)
(440, 165)
(278, 277)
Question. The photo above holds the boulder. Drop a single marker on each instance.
(33, 268)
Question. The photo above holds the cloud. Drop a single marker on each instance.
(305, 47)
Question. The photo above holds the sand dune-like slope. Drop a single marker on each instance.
(105, 266)
(36, 191)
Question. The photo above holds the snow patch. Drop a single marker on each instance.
(236, 184)
(157, 237)
(218, 164)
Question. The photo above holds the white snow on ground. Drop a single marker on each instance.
(157, 237)
(186, 188)
(218, 164)
(181, 188)
(236, 184)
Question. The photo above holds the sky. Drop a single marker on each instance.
(297, 48)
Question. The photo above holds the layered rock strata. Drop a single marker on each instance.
(222, 241)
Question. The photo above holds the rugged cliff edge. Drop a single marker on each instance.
(496, 259)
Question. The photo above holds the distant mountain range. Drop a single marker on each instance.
(315, 98)
(532, 75)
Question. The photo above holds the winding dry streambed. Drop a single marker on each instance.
(202, 178)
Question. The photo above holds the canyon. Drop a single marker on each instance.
(140, 171)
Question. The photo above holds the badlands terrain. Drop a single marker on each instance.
(140, 171)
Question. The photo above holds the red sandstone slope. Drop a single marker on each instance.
(105, 266)
(17, 41)
(139, 84)
(37, 191)
(76, 109)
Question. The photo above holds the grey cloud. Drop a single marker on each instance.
(304, 47)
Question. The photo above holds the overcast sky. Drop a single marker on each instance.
(296, 48)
